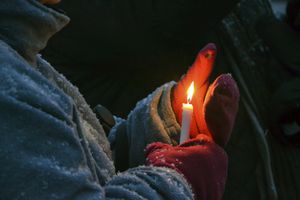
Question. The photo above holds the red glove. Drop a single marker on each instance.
(215, 105)
(200, 160)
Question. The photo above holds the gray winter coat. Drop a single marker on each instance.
(51, 143)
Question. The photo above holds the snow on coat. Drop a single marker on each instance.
(51, 144)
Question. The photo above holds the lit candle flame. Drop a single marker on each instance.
(190, 92)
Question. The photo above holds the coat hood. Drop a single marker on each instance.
(27, 25)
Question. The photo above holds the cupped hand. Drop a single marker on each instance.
(215, 105)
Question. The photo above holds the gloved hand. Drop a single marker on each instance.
(199, 160)
(215, 105)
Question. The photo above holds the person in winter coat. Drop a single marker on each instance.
(262, 54)
(282, 38)
(52, 146)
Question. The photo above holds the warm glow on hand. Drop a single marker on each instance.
(196, 79)
(214, 105)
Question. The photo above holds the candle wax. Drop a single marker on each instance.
(187, 114)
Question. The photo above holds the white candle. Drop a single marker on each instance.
(187, 114)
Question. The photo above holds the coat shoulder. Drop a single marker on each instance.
(21, 82)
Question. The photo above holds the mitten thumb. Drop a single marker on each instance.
(220, 108)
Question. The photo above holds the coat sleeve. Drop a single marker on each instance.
(148, 183)
(152, 120)
(41, 156)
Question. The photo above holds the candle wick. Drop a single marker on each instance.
(189, 101)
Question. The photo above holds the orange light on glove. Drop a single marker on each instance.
(214, 105)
